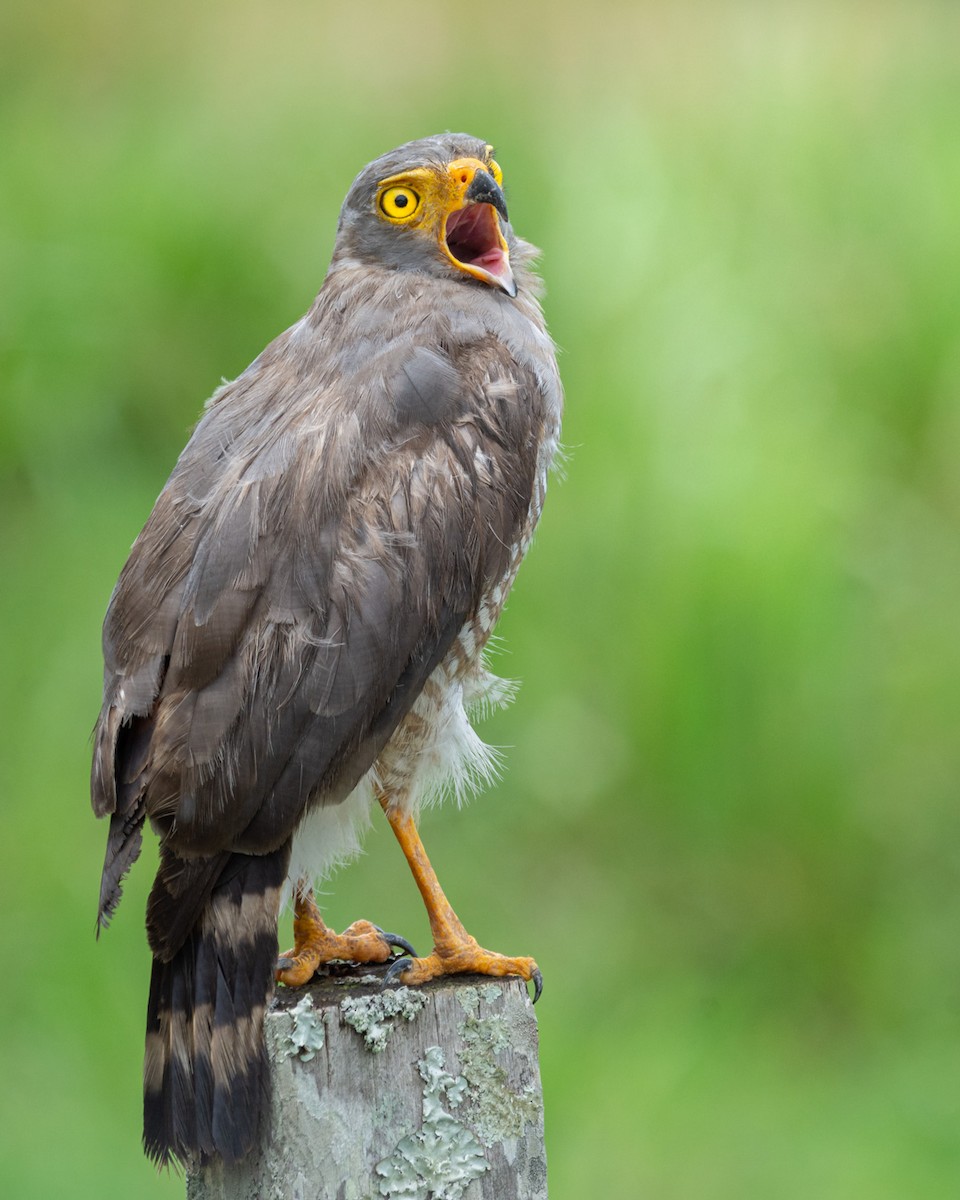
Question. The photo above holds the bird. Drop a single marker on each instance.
(296, 642)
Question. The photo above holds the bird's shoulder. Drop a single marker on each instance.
(382, 361)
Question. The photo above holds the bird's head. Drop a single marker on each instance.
(433, 206)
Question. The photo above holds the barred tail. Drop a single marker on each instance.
(204, 1067)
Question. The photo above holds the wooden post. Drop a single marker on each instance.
(426, 1093)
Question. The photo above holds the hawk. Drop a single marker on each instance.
(298, 633)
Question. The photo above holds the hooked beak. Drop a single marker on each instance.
(471, 236)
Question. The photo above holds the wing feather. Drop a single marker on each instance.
(293, 589)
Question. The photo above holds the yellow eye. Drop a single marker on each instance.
(496, 172)
(399, 203)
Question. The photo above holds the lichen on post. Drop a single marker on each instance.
(430, 1093)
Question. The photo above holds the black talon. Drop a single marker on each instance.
(537, 979)
(394, 939)
(394, 971)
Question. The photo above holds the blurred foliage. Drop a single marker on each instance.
(729, 826)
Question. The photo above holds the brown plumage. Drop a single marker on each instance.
(299, 626)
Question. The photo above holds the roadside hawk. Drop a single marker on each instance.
(298, 632)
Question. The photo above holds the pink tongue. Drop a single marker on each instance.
(490, 260)
(472, 240)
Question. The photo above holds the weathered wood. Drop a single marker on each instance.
(430, 1093)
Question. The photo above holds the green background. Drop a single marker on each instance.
(728, 828)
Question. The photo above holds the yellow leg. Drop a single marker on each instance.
(454, 950)
(314, 943)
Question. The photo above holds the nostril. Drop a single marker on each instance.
(463, 177)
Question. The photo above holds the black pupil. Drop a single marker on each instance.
(401, 200)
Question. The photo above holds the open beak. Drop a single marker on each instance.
(471, 236)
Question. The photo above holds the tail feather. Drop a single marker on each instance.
(205, 1065)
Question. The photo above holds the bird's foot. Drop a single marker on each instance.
(455, 952)
(463, 955)
(361, 942)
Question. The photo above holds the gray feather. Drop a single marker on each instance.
(342, 511)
